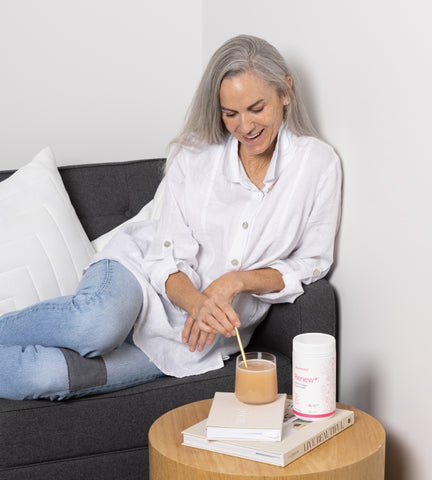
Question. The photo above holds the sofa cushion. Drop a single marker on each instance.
(43, 245)
(45, 431)
(150, 211)
(105, 195)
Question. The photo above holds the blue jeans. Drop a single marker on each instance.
(77, 344)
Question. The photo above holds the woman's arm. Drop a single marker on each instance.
(181, 291)
(260, 281)
(211, 311)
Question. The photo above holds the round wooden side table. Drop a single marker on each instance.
(357, 453)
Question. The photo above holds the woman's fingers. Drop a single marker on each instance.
(205, 339)
(217, 315)
(187, 329)
(196, 338)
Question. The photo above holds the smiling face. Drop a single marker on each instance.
(252, 112)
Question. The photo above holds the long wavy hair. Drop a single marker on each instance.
(203, 124)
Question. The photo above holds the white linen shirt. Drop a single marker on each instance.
(215, 220)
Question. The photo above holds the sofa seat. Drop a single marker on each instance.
(77, 434)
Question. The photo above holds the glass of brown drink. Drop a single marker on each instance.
(256, 383)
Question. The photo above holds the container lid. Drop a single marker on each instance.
(314, 343)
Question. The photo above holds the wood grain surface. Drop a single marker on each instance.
(357, 453)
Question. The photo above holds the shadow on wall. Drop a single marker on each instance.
(396, 459)
(367, 388)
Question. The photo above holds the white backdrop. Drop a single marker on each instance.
(97, 80)
(110, 80)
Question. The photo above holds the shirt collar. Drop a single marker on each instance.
(272, 171)
(232, 168)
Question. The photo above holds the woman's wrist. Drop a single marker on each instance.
(266, 280)
(235, 283)
(182, 292)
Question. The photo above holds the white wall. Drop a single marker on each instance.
(106, 80)
(352, 58)
(97, 80)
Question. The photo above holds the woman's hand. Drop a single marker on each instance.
(211, 311)
(215, 315)
(196, 338)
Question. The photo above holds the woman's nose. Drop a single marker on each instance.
(246, 124)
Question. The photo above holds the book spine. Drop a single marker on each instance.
(319, 438)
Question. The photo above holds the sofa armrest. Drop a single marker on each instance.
(314, 311)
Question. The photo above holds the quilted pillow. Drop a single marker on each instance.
(43, 247)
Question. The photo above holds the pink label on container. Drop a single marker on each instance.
(314, 386)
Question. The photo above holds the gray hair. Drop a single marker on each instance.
(244, 53)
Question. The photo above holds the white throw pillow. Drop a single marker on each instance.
(150, 211)
(43, 246)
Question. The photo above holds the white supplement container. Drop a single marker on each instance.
(314, 376)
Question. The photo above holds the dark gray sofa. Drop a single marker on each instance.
(104, 437)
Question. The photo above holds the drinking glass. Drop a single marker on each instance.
(256, 384)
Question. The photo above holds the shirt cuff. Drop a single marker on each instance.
(293, 278)
(293, 289)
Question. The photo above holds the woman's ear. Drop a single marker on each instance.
(287, 98)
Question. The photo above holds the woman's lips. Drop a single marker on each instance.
(252, 138)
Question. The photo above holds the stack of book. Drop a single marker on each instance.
(268, 433)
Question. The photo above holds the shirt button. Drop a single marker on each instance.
(167, 243)
(245, 225)
(316, 272)
(234, 262)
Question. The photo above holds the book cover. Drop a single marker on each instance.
(231, 419)
(298, 438)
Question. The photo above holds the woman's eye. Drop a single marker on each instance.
(229, 114)
(258, 110)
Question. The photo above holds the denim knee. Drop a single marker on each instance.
(106, 314)
(106, 332)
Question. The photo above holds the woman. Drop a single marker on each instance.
(250, 213)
